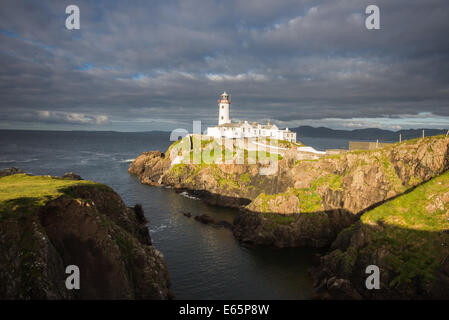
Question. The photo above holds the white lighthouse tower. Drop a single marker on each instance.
(226, 129)
(223, 109)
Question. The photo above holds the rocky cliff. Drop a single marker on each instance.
(407, 238)
(304, 202)
(48, 223)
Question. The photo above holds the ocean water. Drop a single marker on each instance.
(204, 262)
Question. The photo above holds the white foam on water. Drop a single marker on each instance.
(18, 161)
(158, 229)
(185, 194)
(7, 161)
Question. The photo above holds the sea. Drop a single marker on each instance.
(204, 262)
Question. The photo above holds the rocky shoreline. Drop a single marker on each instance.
(75, 222)
(311, 202)
(307, 201)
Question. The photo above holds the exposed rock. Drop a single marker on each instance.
(306, 202)
(405, 240)
(336, 289)
(72, 176)
(316, 229)
(204, 218)
(88, 226)
(224, 224)
(149, 166)
(9, 171)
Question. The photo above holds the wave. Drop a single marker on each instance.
(28, 160)
(18, 161)
(126, 160)
(158, 229)
(185, 194)
(7, 161)
(98, 154)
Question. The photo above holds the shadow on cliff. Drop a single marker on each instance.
(375, 205)
(413, 264)
(92, 229)
(310, 229)
(20, 205)
(217, 199)
(315, 229)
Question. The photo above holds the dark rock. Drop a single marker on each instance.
(10, 171)
(204, 218)
(72, 176)
(91, 228)
(140, 214)
(304, 230)
(224, 224)
(187, 214)
(336, 289)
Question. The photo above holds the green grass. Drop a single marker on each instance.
(207, 150)
(309, 200)
(413, 230)
(332, 181)
(245, 177)
(410, 210)
(21, 193)
(173, 145)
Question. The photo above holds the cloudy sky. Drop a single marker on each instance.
(158, 65)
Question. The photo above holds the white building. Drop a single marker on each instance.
(226, 129)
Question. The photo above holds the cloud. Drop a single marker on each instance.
(237, 78)
(287, 60)
(57, 117)
(72, 118)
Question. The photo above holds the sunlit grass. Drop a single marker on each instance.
(24, 193)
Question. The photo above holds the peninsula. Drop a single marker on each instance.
(309, 202)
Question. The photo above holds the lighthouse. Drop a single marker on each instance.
(223, 109)
(226, 129)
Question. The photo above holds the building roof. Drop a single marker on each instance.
(252, 125)
(230, 125)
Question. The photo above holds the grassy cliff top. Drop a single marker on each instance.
(414, 230)
(424, 208)
(212, 150)
(21, 193)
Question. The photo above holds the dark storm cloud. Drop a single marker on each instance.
(163, 63)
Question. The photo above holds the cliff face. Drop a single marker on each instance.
(407, 238)
(48, 223)
(333, 191)
(305, 202)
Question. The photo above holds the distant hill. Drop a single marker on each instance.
(364, 134)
